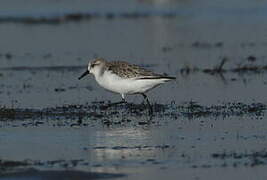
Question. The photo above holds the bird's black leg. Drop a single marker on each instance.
(116, 103)
(148, 103)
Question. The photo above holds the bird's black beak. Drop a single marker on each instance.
(84, 74)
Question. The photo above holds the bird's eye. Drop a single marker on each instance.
(93, 65)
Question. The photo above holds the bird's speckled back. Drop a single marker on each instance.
(126, 70)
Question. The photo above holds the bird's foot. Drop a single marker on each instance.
(104, 107)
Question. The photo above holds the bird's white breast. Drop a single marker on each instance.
(114, 83)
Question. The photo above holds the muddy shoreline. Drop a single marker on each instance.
(100, 110)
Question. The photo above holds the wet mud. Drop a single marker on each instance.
(101, 110)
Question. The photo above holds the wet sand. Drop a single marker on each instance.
(209, 124)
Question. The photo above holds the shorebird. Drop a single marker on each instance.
(124, 78)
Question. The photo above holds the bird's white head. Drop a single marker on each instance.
(95, 67)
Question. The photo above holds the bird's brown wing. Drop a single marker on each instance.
(126, 70)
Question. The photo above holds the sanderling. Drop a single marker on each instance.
(124, 78)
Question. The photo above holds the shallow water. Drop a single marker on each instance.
(209, 124)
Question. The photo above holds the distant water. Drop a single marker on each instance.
(51, 11)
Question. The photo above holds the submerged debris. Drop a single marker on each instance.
(160, 147)
(219, 69)
(24, 170)
(246, 159)
(80, 16)
(59, 174)
(7, 165)
(199, 44)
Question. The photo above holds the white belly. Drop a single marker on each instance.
(117, 84)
